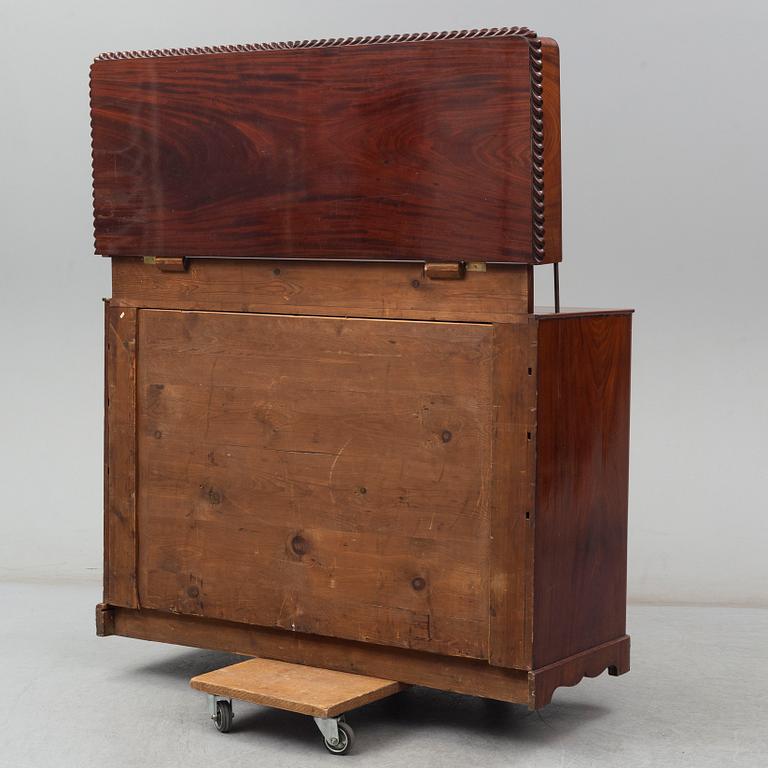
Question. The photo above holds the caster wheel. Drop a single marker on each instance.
(346, 739)
(223, 719)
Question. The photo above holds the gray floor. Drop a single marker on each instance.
(696, 696)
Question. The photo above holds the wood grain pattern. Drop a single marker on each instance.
(581, 483)
(323, 475)
(295, 687)
(120, 434)
(551, 150)
(460, 675)
(105, 624)
(356, 494)
(504, 293)
(514, 408)
(415, 151)
(448, 673)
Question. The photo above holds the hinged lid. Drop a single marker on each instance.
(414, 147)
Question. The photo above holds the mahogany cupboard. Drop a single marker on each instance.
(337, 433)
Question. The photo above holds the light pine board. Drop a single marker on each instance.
(295, 687)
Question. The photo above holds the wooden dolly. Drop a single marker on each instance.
(324, 694)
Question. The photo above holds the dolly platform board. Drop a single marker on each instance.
(324, 694)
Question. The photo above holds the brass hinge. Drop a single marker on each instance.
(167, 263)
(452, 270)
(444, 270)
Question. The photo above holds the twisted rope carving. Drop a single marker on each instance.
(537, 146)
(332, 42)
(535, 62)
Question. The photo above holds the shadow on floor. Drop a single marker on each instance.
(188, 663)
(410, 713)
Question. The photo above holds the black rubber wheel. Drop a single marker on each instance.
(223, 719)
(346, 740)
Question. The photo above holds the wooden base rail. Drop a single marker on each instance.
(469, 676)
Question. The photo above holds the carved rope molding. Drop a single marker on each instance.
(536, 71)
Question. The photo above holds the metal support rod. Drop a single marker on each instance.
(557, 287)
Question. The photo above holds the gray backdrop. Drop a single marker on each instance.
(664, 168)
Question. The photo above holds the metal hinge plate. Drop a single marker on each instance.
(167, 263)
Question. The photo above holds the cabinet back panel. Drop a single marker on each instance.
(323, 475)
(386, 290)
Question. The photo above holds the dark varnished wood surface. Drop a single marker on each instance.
(552, 173)
(418, 150)
(582, 446)
(612, 656)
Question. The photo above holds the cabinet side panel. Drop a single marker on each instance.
(580, 550)
(120, 458)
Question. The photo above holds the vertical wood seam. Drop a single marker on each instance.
(136, 459)
(532, 460)
(511, 496)
(120, 517)
(105, 490)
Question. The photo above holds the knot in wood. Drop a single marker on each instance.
(299, 545)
